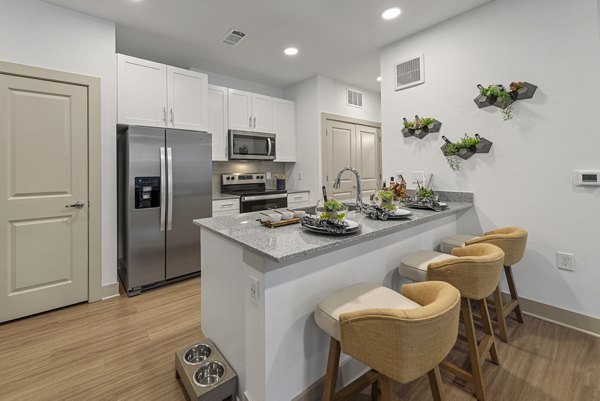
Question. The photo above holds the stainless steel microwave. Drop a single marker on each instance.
(246, 145)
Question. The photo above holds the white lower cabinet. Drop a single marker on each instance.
(225, 207)
(298, 200)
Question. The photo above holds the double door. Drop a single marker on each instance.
(351, 145)
(250, 111)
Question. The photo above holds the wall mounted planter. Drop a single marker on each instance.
(483, 146)
(421, 132)
(526, 92)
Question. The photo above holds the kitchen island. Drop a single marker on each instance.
(269, 336)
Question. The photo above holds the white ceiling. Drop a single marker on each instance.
(336, 38)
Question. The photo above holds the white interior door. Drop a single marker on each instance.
(284, 126)
(187, 99)
(217, 121)
(43, 169)
(240, 110)
(340, 151)
(262, 113)
(367, 159)
(142, 92)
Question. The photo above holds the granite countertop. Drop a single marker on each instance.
(286, 243)
(220, 196)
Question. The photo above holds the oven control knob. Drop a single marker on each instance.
(232, 178)
(228, 178)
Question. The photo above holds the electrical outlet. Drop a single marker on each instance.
(268, 175)
(565, 261)
(418, 176)
(254, 290)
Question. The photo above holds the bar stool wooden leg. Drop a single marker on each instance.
(375, 391)
(473, 349)
(513, 294)
(333, 364)
(385, 385)
(489, 331)
(435, 381)
(500, 318)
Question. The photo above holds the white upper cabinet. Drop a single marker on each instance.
(240, 110)
(157, 95)
(262, 113)
(284, 126)
(187, 99)
(142, 93)
(217, 121)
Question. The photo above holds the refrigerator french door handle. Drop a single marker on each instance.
(170, 189)
(163, 189)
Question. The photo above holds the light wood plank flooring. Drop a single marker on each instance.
(123, 349)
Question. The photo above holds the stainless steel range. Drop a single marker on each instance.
(253, 192)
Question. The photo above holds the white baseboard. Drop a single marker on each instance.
(110, 291)
(562, 317)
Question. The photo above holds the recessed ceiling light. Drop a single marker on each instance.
(391, 13)
(378, 79)
(291, 51)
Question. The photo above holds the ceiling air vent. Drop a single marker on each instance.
(409, 73)
(233, 37)
(355, 98)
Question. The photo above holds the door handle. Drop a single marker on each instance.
(163, 188)
(269, 146)
(170, 189)
(76, 205)
(172, 117)
(250, 122)
(165, 115)
(254, 122)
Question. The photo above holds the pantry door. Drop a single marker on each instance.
(368, 158)
(43, 195)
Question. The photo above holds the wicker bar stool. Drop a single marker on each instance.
(475, 271)
(512, 240)
(401, 337)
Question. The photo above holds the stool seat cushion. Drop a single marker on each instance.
(456, 241)
(355, 298)
(414, 266)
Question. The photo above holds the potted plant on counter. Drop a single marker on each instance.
(386, 199)
(332, 209)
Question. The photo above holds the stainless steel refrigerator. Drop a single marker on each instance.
(164, 183)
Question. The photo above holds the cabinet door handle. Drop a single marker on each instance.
(250, 122)
(165, 115)
(172, 117)
(254, 122)
(227, 205)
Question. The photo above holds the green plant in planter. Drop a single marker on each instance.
(454, 161)
(426, 121)
(409, 124)
(425, 193)
(495, 92)
(332, 205)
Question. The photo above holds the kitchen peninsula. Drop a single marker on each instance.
(270, 338)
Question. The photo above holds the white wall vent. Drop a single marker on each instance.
(233, 37)
(354, 98)
(409, 73)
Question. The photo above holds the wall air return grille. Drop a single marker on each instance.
(233, 37)
(354, 98)
(409, 73)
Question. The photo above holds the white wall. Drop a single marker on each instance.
(313, 97)
(526, 179)
(332, 99)
(43, 35)
(241, 84)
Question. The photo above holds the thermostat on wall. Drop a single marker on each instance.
(584, 178)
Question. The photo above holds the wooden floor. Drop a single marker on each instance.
(123, 349)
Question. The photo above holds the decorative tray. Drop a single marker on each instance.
(377, 212)
(426, 204)
(281, 223)
(330, 226)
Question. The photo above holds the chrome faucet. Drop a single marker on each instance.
(338, 182)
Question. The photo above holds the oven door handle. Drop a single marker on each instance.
(263, 197)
